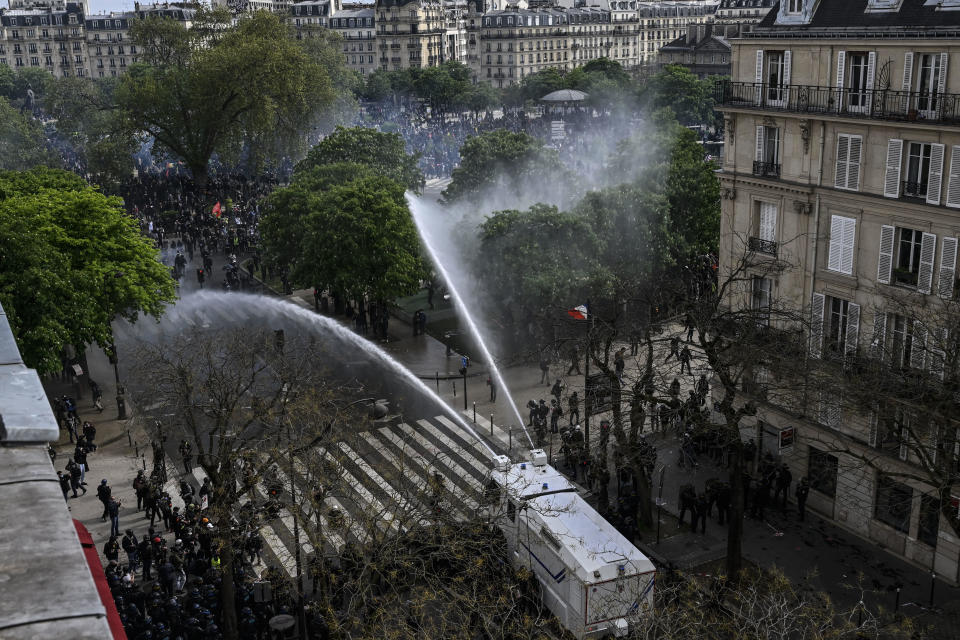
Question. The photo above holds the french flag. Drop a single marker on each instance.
(578, 313)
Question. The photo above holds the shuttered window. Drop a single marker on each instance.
(843, 232)
(948, 268)
(849, 148)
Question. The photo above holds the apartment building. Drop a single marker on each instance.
(663, 22)
(357, 28)
(410, 33)
(50, 38)
(704, 50)
(743, 11)
(843, 163)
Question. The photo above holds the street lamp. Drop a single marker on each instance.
(121, 401)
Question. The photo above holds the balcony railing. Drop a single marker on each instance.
(906, 106)
(914, 189)
(758, 245)
(766, 169)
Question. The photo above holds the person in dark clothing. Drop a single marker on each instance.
(685, 360)
(723, 502)
(761, 496)
(129, 545)
(801, 493)
(557, 390)
(493, 388)
(139, 486)
(574, 405)
(113, 510)
(782, 484)
(700, 513)
(687, 499)
(111, 550)
(103, 494)
(64, 480)
(574, 362)
(145, 552)
(674, 349)
(544, 368)
(555, 414)
(75, 476)
(89, 434)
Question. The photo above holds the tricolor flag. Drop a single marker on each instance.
(578, 313)
(216, 209)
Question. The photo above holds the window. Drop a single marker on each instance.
(767, 161)
(893, 503)
(860, 66)
(929, 525)
(918, 169)
(848, 162)
(901, 347)
(909, 246)
(760, 298)
(822, 472)
(838, 311)
(928, 82)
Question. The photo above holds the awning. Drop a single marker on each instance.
(100, 579)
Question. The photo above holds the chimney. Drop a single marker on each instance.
(691, 34)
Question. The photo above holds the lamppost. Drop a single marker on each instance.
(121, 401)
(301, 621)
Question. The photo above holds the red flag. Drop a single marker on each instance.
(216, 209)
(578, 313)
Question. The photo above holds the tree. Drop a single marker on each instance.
(218, 86)
(515, 161)
(384, 153)
(22, 142)
(71, 260)
(356, 236)
(88, 121)
(677, 88)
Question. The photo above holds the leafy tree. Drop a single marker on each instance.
(385, 153)
(22, 142)
(87, 120)
(378, 86)
(541, 256)
(677, 88)
(70, 261)
(355, 236)
(6, 82)
(503, 157)
(220, 85)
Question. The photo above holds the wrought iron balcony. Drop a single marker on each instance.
(766, 169)
(905, 106)
(758, 245)
(914, 189)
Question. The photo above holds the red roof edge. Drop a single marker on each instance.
(100, 579)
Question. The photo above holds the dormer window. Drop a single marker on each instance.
(883, 5)
(794, 6)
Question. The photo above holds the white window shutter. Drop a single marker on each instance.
(942, 78)
(853, 328)
(933, 441)
(918, 345)
(948, 268)
(761, 130)
(904, 451)
(841, 69)
(878, 341)
(816, 325)
(907, 71)
(847, 245)
(871, 78)
(843, 154)
(935, 176)
(759, 77)
(936, 362)
(787, 67)
(853, 163)
(891, 179)
(874, 419)
(928, 249)
(953, 185)
(835, 255)
(885, 262)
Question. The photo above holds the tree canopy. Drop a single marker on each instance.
(22, 142)
(70, 261)
(384, 153)
(678, 89)
(221, 85)
(503, 157)
(346, 227)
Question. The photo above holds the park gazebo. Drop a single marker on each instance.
(559, 103)
(564, 97)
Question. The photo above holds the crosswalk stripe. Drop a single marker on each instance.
(440, 457)
(334, 538)
(398, 500)
(412, 469)
(471, 443)
(467, 456)
(362, 491)
(275, 545)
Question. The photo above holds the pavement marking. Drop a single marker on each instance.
(473, 446)
(440, 457)
(467, 456)
(483, 428)
(362, 491)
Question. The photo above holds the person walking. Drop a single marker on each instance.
(557, 390)
(145, 553)
(75, 476)
(544, 367)
(619, 364)
(685, 360)
(103, 494)
(782, 484)
(64, 480)
(129, 545)
(674, 349)
(801, 493)
(139, 486)
(113, 510)
(700, 507)
(111, 550)
(573, 403)
(493, 388)
(574, 361)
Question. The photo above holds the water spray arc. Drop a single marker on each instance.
(202, 304)
(428, 241)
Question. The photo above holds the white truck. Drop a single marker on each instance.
(594, 580)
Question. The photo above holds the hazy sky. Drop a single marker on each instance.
(106, 6)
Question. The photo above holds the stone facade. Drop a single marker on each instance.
(843, 163)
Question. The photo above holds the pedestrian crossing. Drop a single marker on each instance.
(379, 483)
